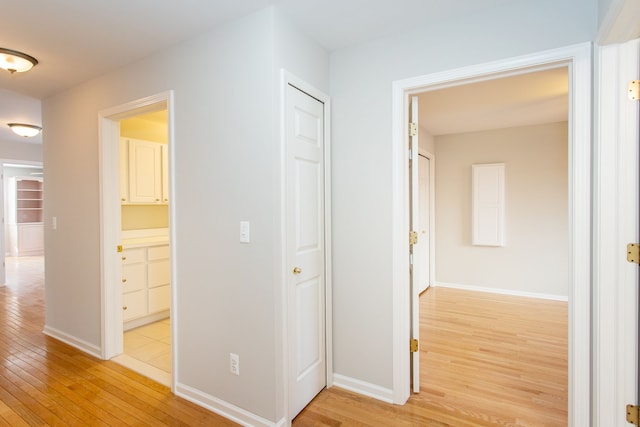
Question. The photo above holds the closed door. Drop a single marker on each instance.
(305, 247)
(422, 248)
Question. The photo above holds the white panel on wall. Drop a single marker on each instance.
(488, 204)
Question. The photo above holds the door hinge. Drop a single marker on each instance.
(633, 253)
(119, 248)
(634, 90)
(633, 414)
(413, 129)
(413, 345)
(413, 238)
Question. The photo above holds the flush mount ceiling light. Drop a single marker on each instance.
(24, 129)
(16, 62)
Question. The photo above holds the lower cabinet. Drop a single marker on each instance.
(145, 285)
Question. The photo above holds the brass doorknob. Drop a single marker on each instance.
(297, 270)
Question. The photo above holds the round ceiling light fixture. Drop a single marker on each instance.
(16, 62)
(24, 129)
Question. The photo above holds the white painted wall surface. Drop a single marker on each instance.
(226, 167)
(534, 259)
(426, 141)
(20, 151)
(361, 78)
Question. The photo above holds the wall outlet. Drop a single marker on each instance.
(234, 363)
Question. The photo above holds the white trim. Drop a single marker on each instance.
(223, 408)
(287, 78)
(615, 293)
(111, 266)
(512, 292)
(578, 59)
(82, 345)
(363, 388)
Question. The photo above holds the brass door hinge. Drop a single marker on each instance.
(119, 248)
(413, 129)
(633, 414)
(634, 90)
(413, 238)
(633, 253)
(413, 345)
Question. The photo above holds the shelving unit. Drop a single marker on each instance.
(28, 201)
(25, 216)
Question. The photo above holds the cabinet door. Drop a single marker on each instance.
(134, 304)
(134, 277)
(165, 173)
(145, 175)
(158, 273)
(159, 299)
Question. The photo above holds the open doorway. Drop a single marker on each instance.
(136, 236)
(22, 195)
(577, 60)
(513, 241)
(144, 225)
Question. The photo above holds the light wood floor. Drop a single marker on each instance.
(486, 360)
(503, 365)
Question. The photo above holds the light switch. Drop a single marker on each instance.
(245, 233)
(54, 223)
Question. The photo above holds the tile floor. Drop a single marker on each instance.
(147, 350)
(150, 344)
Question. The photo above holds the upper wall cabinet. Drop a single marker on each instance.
(143, 172)
(488, 204)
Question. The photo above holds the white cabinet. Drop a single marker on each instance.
(143, 172)
(145, 284)
(25, 219)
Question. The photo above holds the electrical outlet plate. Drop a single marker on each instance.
(234, 363)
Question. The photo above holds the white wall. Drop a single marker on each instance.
(426, 140)
(20, 151)
(361, 78)
(226, 168)
(534, 259)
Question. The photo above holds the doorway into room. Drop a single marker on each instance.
(136, 237)
(576, 60)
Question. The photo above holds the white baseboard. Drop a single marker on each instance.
(225, 409)
(73, 341)
(364, 388)
(501, 291)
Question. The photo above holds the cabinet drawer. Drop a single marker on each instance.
(134, 305)
(134, 277)
(158, 252)
(132, 256)
(158, 273)
(159, 298)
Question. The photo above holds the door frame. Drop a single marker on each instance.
(615, 289)
(110, 219)
(287, 78)
(578, 60)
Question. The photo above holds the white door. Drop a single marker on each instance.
(305, 246)
(422, 248)
(414, 167)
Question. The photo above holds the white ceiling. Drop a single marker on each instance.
(520, 100)
(76, 41)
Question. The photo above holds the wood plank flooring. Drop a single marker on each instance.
(487, 360)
